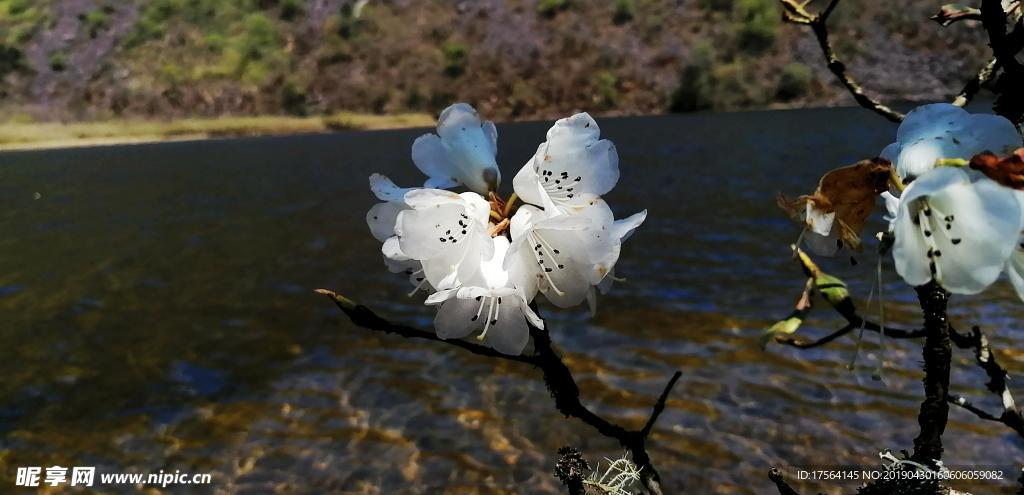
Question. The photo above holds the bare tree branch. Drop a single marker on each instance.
(366, 318)
(1004, 45)
(937, 354)
(974, 85)
(659, 406)
(803, 343)
(998, 380)
(795, 12)
(780, 483)
(557, 377)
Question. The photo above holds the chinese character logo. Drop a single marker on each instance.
(28, 476)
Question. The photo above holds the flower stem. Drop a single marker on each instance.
(509, 205)
(937, 355)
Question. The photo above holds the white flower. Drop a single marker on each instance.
(892, 207)
(954, 231)
(1015, 268)
(489, 303)
(446, 232)
(940, 130)
(382, 219)
(1015, 264)
(462, 151)
(564, 256)
(570, 165)
(382, 216)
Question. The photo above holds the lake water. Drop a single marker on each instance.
(158, 313)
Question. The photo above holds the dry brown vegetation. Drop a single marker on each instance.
(104, 59)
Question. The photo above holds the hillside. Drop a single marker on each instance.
(78, 60)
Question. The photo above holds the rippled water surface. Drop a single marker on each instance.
(158, 313)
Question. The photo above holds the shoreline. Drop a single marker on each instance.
(36, 136)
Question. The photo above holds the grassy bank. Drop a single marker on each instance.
(41, 135)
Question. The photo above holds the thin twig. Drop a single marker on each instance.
(974, 85)
(998, 378)
(795, 12)
(853, 322)
(557, 377)
(659, 406)
(802, 343)
(1013, 422)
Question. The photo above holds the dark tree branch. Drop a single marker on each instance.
(1006, 418)
(1004, 45)
(974, 85)
(796, 13)
(780, 483)
(938, 354)
(659, 406)
(961, 401)
(557, 377)
(998, 380)
(853, 322)
(1012, 415)
(802, 343)
(366, 318)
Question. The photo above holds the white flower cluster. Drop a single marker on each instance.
(952, 224)
(482, 269)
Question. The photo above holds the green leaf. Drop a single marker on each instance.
(788, 326)
(832, 288)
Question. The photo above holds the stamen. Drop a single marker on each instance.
(421, 280)
(478, 310)
(536, 239)
(860, 334)
(490, 319)
(881, 323)
(929, 241)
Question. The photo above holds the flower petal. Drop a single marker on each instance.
(457, 318)
(508, 332)
(1015, 270)
(954, 231)
(941, 130)
(526, 183)
(440, 297)
(382, 218)
(385, 189)
(431, 156)
(573, 161)
(471, 148)
(492, 135)
(574, 148)
(624, 228)
(819, 221)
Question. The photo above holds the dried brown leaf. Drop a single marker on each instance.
(1008, 171)
(849, 192)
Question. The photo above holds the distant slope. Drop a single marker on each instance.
(101, 59)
